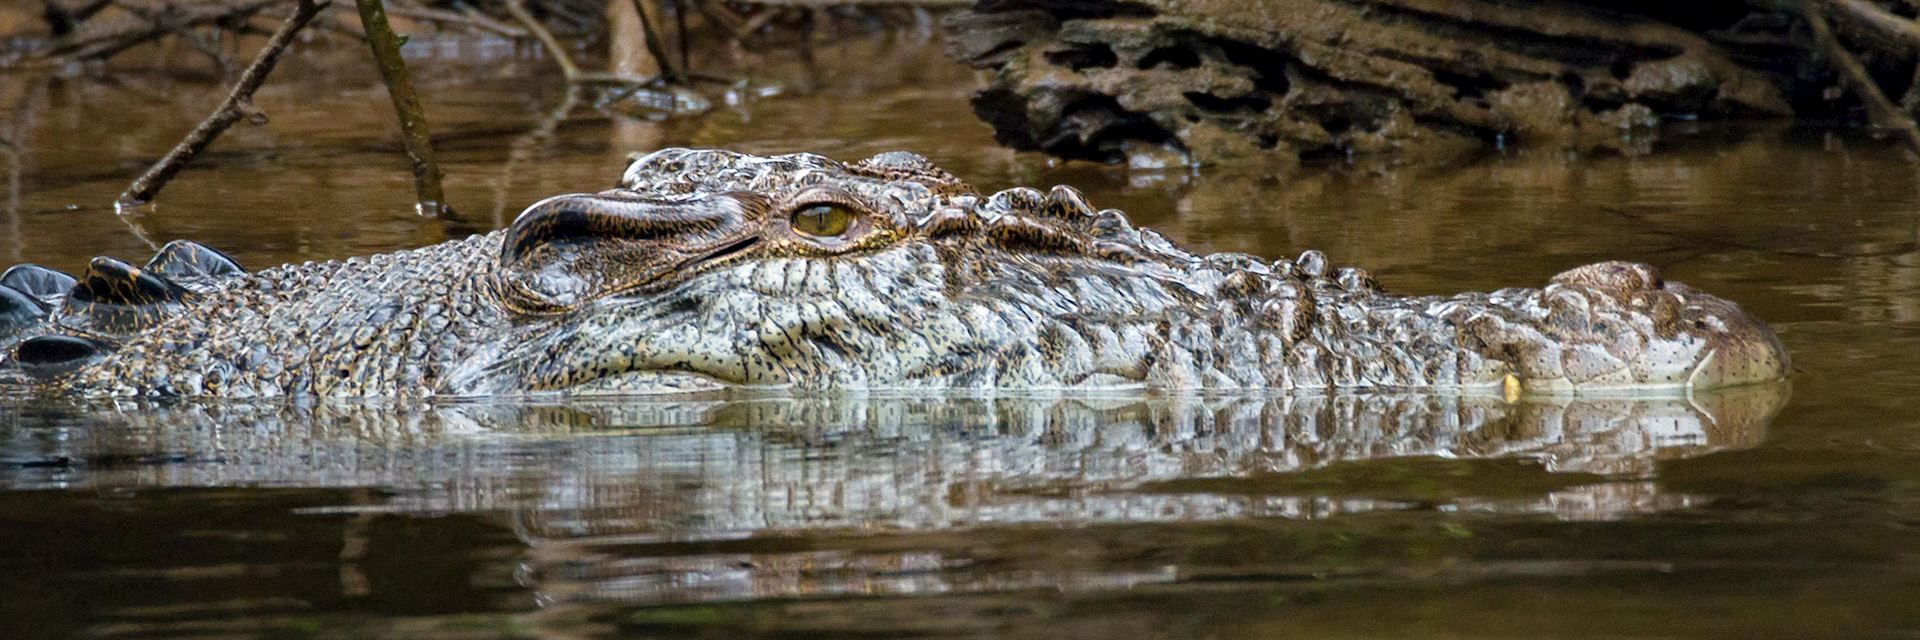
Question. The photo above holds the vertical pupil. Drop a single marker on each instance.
(821, 220)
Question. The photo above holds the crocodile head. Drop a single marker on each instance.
(709, 269)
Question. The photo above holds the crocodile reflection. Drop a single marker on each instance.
(589, 488)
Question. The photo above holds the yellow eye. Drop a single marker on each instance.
(824, 220)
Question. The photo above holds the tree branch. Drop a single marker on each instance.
(431, 199)
(239, 104)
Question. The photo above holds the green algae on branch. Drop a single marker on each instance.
(385, 44)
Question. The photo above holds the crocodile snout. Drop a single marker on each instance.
(1619, 327)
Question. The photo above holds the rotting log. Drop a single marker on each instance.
(1221, 81)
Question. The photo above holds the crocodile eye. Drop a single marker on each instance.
(822, 220)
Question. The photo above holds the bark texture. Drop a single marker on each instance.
(1216, 81)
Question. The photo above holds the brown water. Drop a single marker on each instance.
(1771, 512)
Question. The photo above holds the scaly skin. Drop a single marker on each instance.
(699, 273)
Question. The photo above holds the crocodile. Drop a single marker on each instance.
(720, 271)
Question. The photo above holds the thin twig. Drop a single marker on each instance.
(533, 26)
(758, 21)
(568, 69)
(680, 21)
(653, 42)
(481, 18)
(239, 104)
(431, 199)
(1881, 110)
(469, 20)
(152, 25)
(719, 15)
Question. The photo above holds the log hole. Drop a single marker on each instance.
(1081, 58)
(1217, 104)
(1172, 57)
(1269, 66)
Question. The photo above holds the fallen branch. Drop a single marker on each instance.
(1880, 110)
(431, 199)
(239, 104)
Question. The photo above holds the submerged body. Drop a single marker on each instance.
(712, 270)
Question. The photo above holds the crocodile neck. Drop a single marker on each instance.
(387, 324)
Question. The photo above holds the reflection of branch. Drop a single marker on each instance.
(430, 199)
(22, 124)
(239, 104)
(522, 147)
(1879, 108)
(131, 219)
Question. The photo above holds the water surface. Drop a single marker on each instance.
(1788, 510)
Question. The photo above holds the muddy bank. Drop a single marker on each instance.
(1220, 81)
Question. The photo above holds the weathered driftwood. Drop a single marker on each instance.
(1220, 80)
